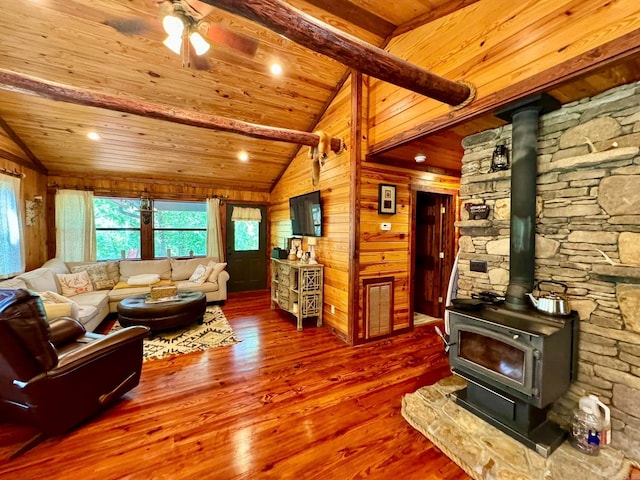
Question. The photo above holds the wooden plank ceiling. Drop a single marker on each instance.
(115, 47)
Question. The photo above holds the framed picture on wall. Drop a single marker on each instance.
(386, 198)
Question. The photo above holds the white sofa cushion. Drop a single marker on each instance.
(40, 280)
(13, 284)
(129, 268)
(205, 287)
(143, 279)
(91, 304)
(56, 265)
(182, 269)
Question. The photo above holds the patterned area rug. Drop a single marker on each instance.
(215, 331)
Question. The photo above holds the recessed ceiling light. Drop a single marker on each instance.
(93, 136)
(276, 69)
(420, 157)
(243, 156)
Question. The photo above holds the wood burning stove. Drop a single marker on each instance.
(516, 364)
(516, 360)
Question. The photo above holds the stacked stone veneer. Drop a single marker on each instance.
(588, 202)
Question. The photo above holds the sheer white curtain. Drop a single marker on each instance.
(215, 245)
(11, 235)
(75, 226)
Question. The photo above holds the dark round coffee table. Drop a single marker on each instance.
(188, 308)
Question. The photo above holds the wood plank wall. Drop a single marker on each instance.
(389, 253)
(332, 250)
(380, 253)
(33, 184)
(494, 44)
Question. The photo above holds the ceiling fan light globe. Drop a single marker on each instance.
(173, 25)
(173, 43)
(199, 44)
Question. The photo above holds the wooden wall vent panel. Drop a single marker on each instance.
(378, 306)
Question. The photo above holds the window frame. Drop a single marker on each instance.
(119, 229)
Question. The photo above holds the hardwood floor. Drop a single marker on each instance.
(280, 404)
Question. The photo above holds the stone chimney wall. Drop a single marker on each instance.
(587, 237)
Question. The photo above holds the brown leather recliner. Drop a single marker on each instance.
(55, 375)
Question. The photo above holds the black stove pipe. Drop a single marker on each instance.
(524, 116)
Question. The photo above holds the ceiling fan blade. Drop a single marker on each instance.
(198, 8)
(198, 62)
(129, 26)
(221, 35)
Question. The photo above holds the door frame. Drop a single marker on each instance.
(265, 220)
(415, 188)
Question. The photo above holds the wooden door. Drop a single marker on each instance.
(246, 252)
(434, 249)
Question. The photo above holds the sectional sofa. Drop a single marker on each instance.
(64, 291)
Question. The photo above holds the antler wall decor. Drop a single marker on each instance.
(318, 155)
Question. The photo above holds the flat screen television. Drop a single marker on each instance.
(306, 215)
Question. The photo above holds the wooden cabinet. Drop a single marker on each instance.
(297, 288)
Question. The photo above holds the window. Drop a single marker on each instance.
(179, 228)
(117, 228)
(246, 235)
(11, 258)
(246, 228)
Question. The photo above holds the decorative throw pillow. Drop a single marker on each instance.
(200, 274)
(75, 283)
(216, 268)
(143, 279)
(56, 305)
(98, 274)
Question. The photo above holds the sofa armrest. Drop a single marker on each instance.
(223, 277)
(63, 330)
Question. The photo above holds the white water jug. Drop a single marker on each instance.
(591, 425)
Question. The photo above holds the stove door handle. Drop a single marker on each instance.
(445, 339)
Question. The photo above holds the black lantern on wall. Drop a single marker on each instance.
(500, 158)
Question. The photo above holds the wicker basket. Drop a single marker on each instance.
(163, 291)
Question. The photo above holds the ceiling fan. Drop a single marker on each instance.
(188, 31)
(180, 20)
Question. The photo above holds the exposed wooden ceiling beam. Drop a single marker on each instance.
(356, 15)
(309, 32)
(36, 163)
(17, 82)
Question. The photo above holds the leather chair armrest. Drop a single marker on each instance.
(63, 330)
(100, 346)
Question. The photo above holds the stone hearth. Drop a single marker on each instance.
(484, 452)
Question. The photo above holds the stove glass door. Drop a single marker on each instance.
(493, 354)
